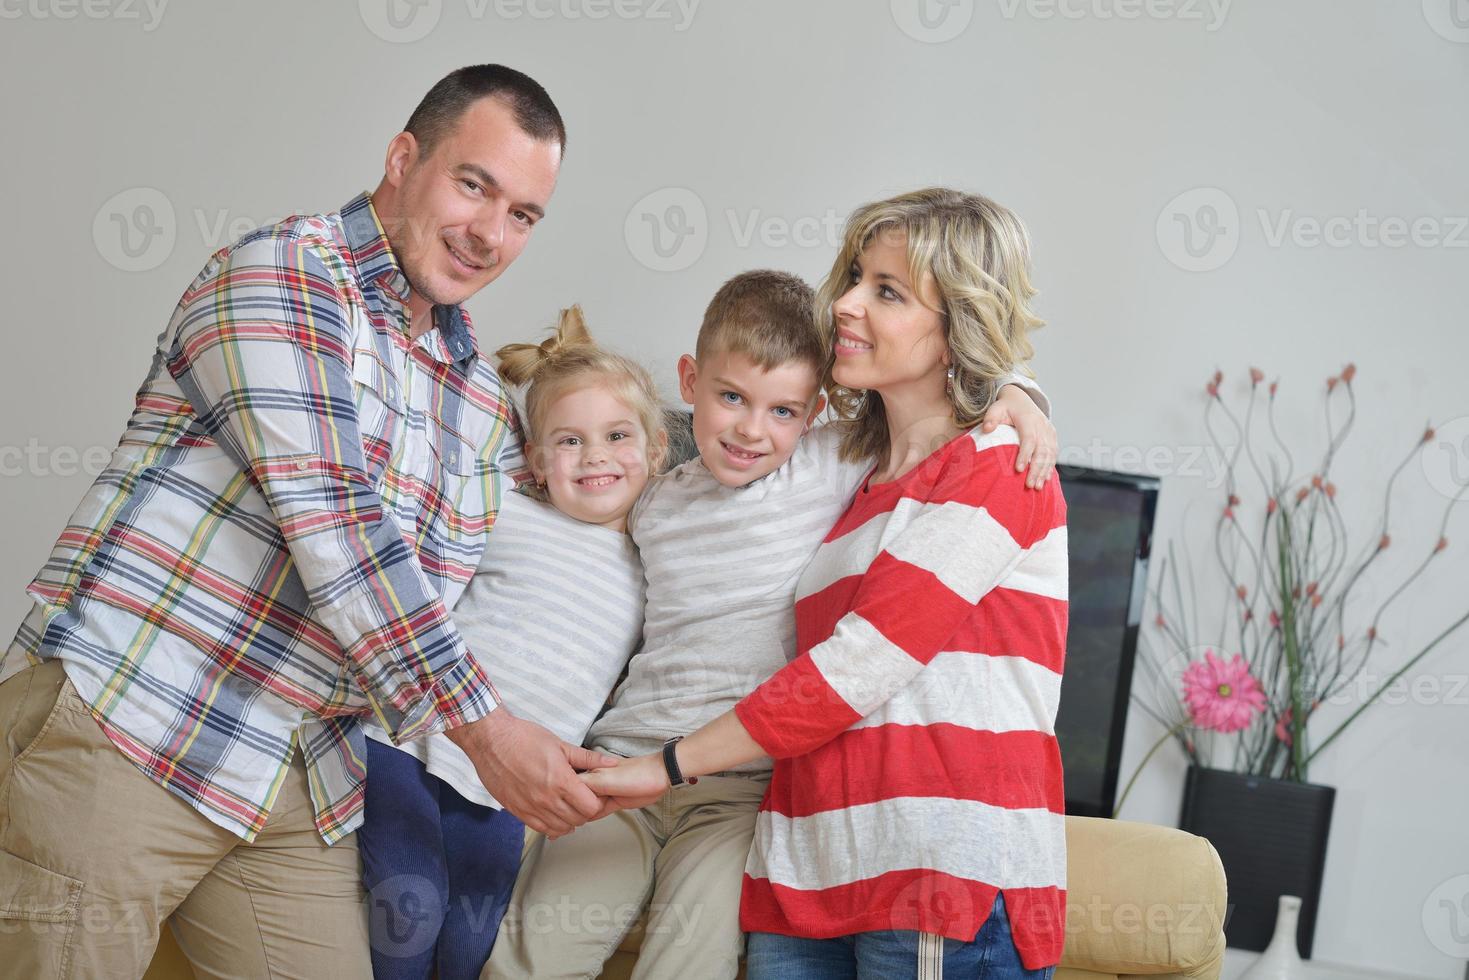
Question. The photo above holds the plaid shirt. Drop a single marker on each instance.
(300, 496)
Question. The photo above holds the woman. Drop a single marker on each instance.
(914, 821)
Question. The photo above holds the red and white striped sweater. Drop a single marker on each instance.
(917, 771)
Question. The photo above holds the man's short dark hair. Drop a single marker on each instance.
(441, 109)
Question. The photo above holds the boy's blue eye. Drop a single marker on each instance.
(785, 413)
(730, 397)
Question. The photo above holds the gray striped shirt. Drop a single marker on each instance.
(721, 565)
(552, 613)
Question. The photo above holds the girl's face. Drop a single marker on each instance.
(885, 337)
(592, 457)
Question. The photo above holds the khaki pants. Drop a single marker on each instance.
(682, 859)
(95, 856)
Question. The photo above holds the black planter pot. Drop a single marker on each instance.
(1271, 837)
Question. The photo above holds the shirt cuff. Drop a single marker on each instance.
(459, 695)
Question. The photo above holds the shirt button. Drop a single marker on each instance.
(453, 458)
(301, 464)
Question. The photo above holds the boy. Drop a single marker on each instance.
(723, 539)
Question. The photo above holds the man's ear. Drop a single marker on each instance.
(403, 153)
(688, 373)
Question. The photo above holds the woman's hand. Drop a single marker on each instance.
(1037, 434)
(633, 783)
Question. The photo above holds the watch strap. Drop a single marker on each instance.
(670, 763)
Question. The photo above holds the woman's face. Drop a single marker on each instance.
(886, 339)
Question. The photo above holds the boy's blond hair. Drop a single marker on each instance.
(570, 360)
(769, 317)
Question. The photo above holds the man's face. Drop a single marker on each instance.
(460, 215)
(747, 421)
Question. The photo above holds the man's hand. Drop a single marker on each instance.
(1037, 434)
(632, 784)
(532, 772)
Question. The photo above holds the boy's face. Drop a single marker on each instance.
(747, 420)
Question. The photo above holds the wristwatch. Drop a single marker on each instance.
(670, 763)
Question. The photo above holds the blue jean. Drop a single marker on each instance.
(889, 955)
(438, 870)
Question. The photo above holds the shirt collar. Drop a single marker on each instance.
(376, 264)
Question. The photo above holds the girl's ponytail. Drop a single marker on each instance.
(570, 359)
(520, 363)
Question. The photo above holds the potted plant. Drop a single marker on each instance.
(1293, 629)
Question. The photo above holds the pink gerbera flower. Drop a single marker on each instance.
(1221, 695)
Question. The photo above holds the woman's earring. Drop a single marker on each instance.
(949, 384)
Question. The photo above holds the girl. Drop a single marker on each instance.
(553, 613)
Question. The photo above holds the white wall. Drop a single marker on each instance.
(787, 115)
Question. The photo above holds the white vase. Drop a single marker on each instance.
(1281, 960)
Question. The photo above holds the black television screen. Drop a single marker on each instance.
(1109, 519)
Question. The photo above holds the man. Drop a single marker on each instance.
(303, 489)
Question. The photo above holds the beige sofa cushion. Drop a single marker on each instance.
(1142, 899)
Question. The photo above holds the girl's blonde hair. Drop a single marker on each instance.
(570, 360)
(978, 254)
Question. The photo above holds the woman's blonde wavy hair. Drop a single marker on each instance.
(569, 360)
(978, 254)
